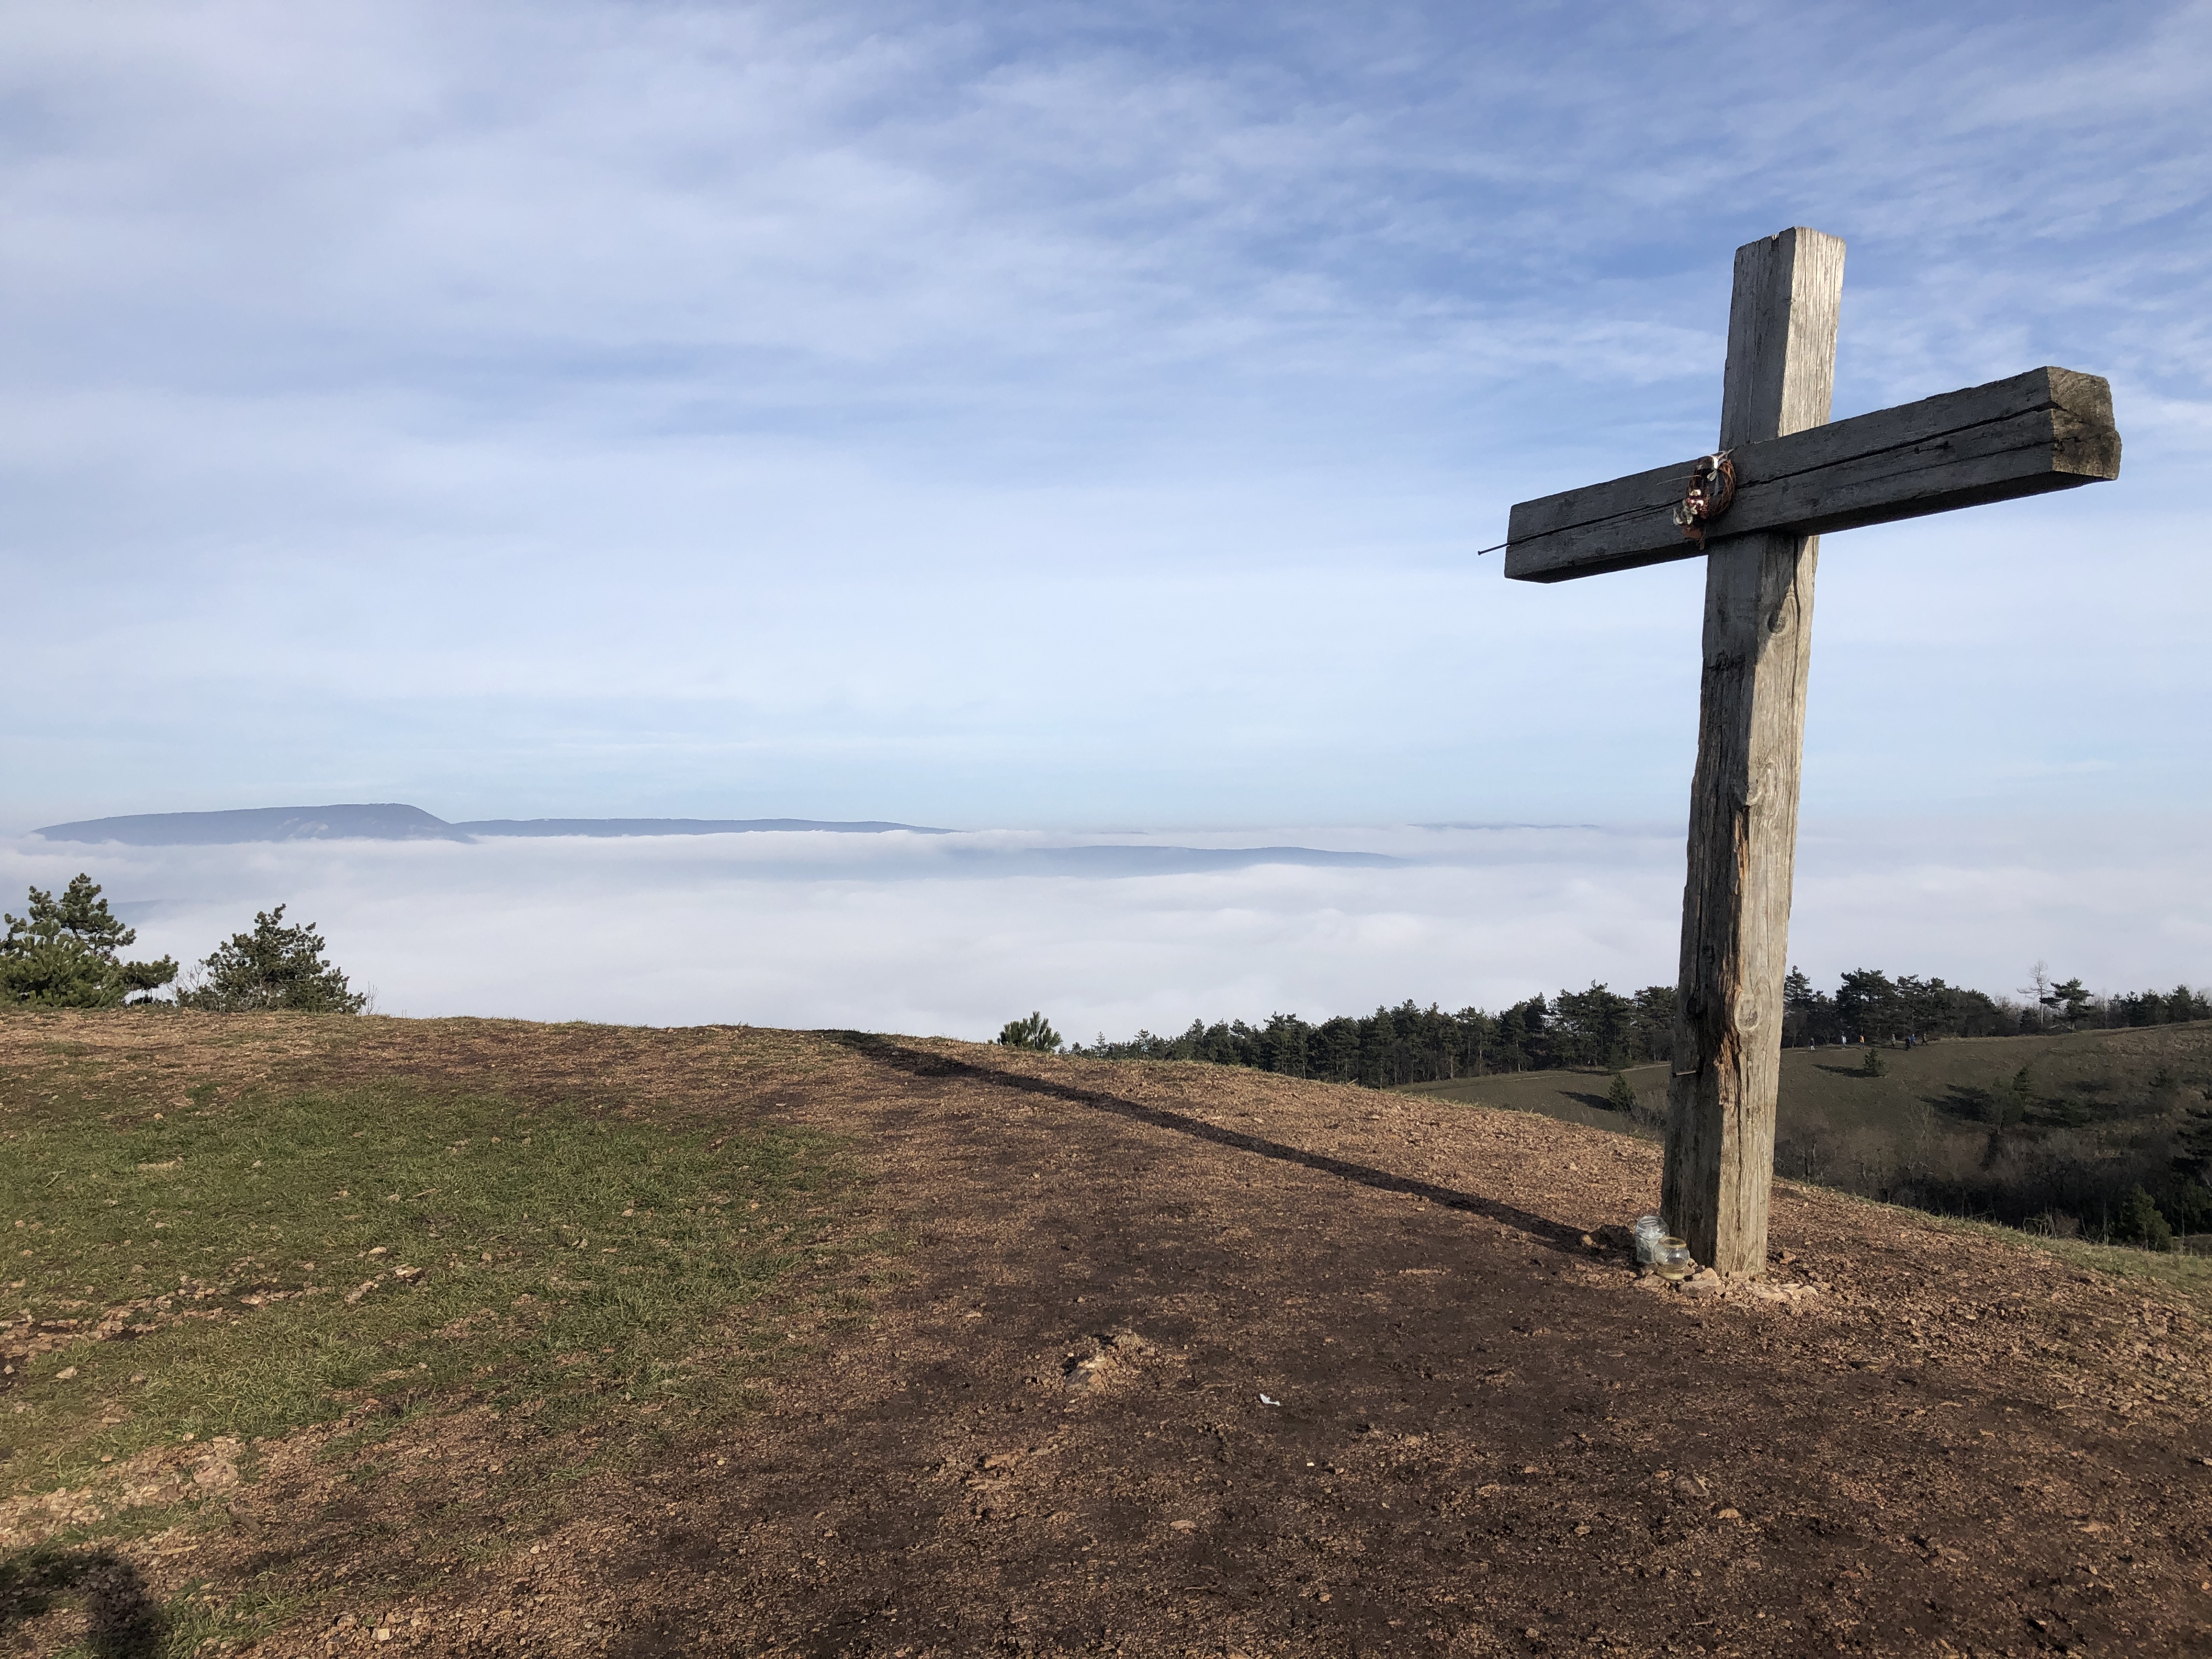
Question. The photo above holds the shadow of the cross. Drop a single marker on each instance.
(917, 1062)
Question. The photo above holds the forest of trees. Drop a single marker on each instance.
(1869, 1006)
(1601, 1029)
(1413, 1044)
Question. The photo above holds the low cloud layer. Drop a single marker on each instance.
(956, 934)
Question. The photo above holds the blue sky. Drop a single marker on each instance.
(1071, 415)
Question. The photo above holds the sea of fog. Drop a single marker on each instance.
(1112, 931)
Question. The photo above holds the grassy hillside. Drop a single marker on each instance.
(224, 1237)
(1951, 1126)
(341, 1335)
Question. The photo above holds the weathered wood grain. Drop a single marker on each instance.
(1797, 475)
(2050, 429)
(1743, 801)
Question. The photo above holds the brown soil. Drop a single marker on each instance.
(1195, 1361)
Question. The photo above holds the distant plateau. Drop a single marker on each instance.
(395, 821)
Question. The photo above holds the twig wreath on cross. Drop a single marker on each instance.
(1780, 477)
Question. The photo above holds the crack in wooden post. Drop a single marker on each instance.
(1796, 476)
(1743, 800)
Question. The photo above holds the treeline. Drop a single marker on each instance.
(1601, 1029)
(1413, 1044)
(1869, 1006)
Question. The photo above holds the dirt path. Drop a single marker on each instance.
(1193, 1361)
(1489, 1438)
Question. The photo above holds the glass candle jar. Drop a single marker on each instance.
(1650, 1230)
(1672, 1258)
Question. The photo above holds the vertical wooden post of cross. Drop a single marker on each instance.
(1789, 476)
(1743, 804)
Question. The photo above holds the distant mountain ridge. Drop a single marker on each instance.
(395, 821)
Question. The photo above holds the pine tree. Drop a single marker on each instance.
(1796, 990)
(1622, 1095)
(63, 955)
(1035, 1033)
(272, 967)
(2142, 1223)
(1869, 1005)
(2070, 999)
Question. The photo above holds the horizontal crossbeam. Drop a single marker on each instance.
(2050, 429)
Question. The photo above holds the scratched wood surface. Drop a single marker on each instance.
(2050, 429)
(1743, 801)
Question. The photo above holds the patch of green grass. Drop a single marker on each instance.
(280, 1261)
(203, 1615)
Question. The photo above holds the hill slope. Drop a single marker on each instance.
(1830, 1084)
(1056, 1357)
(2043, 1130)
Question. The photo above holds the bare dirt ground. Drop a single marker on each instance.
(1193, 1361)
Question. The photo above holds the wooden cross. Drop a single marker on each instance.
(1783, 475)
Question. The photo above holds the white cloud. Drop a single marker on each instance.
(1032, 415)
(952, 935)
